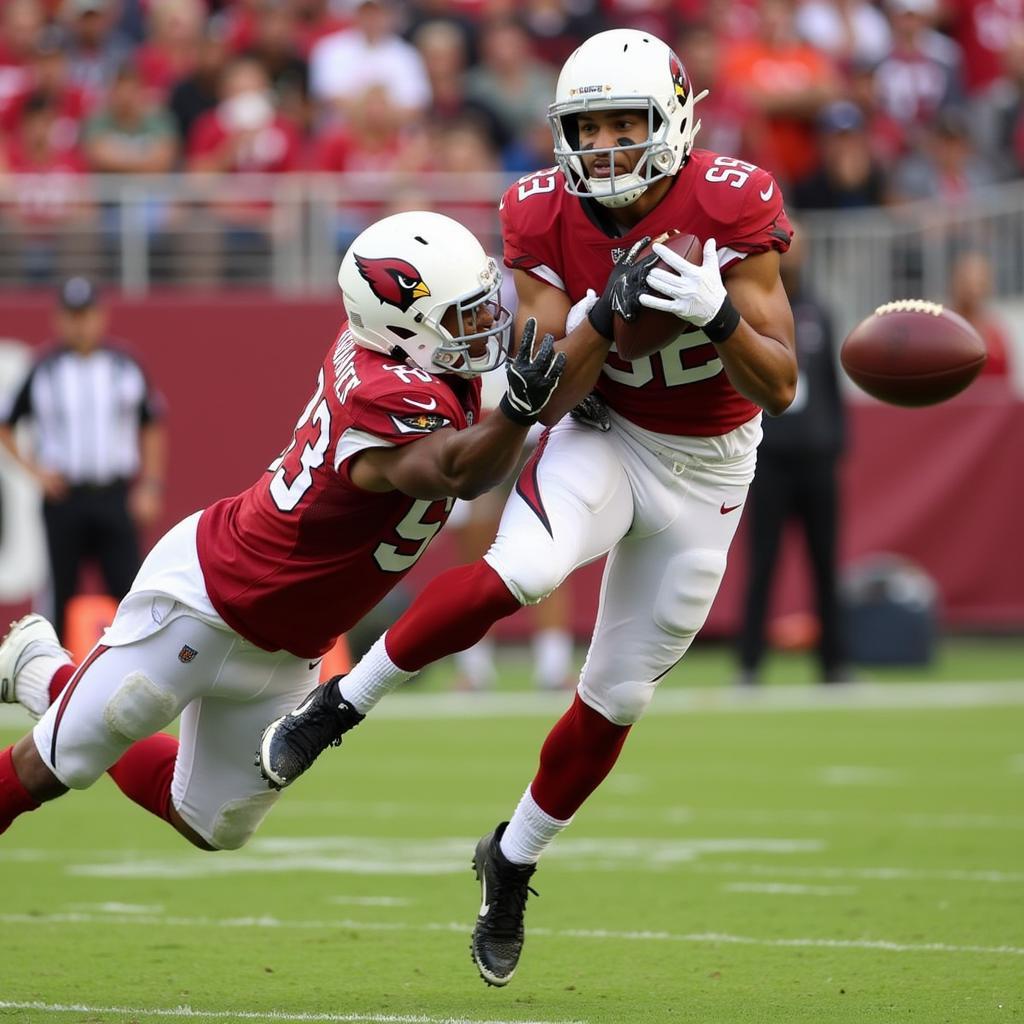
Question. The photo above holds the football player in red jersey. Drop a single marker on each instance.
(660, 491)
(235, 606)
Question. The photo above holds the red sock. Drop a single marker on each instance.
(452, 612)
(578, 753)
(60, 680)
(144, 773)
(15, 799)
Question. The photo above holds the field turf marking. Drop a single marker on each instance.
(683, 700)
(877, 874)
(366, 855)
(789, 889)
(191, 1013)
(707, 938)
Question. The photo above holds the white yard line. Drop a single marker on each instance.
(879, 873)
(789, 889)
(679, 700)
(361, 855)
(191, 1013)
(346, 924)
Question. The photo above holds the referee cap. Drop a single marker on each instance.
(78, 293)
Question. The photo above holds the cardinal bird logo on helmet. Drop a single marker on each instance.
(394, 281)
(678, 73)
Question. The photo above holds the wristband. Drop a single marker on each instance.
(724, 323)
(514, 414)
(601, 319)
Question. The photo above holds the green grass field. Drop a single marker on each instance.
(788, 856)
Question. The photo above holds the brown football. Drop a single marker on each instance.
(913, 353)
(652, 329)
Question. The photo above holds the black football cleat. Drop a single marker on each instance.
(293, 742)
(504, 888)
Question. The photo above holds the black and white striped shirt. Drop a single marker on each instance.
(86, 411)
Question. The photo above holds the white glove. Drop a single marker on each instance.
(693, 293)
(578, 313)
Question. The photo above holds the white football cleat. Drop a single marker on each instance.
(29, 637)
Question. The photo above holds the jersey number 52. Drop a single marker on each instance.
(674, 371)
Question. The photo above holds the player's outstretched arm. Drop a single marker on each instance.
(465, 463)
(747, 316)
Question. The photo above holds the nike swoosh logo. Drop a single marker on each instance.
(767, 193)
(432, 404)
(726, 509)
(302, 707)
(313, 664)
(484, 905)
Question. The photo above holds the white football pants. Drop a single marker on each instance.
(665, 509)
(163, 658)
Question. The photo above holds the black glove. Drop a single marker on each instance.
(531, 381)
(592, 412)
(622, 292)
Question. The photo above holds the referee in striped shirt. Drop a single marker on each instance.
(98, 447)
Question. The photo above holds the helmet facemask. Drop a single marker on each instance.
(454, 354)
(656, 160)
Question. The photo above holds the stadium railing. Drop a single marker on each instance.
(287, 232)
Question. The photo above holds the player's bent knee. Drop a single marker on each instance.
(237, 820)
(138, 708)
(688, 588)
(529, 579)
(624, 703)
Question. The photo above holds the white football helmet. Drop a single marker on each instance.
(624, 69)
(404, 273)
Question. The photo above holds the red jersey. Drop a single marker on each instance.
(272, 149)
(983, 29)
(304, 554)
(550, 234)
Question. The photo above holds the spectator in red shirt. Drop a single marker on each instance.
(174, 33)
(970, 294)
(377, 146)
(311, 20)
(47, 75)
(20, 24)
(45, 210)
(982, 28)
(243, 134)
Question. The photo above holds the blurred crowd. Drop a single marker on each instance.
(850, 103)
